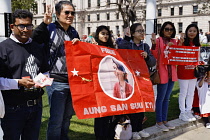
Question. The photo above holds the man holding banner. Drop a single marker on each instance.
(53, 36)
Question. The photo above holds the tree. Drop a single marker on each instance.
(127, 10)
(23, 4)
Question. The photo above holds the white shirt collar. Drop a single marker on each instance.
(16, 40)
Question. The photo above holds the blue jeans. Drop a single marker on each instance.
(22, 121)
(61, 111)
(162, 101)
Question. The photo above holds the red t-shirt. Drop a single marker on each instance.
(186, 71)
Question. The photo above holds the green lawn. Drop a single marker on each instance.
(83, 129)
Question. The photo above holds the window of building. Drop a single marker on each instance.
(89, 3)
(158, 28)
(35, 22)
(117, 15)
(180, 10)
(195, 9)
(172, 11)
(159, 12)
(88, 17)
(209, 25)
(88, 30)
(34, 8)
(98, 17)
(98, 3)
(44, 7)
(180, 27)
(108, 3)
(108, 16)
(117, 29)
(196, 23)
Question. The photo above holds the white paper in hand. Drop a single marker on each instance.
(42, 80)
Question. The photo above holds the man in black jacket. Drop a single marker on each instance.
(23, 59)
(53, 36)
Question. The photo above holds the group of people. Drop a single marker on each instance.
(28, 52)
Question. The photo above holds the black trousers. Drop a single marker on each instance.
(104, 128)
(136, 121)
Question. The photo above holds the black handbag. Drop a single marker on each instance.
(200, 71)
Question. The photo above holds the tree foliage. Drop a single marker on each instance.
(23, 4)
(127, 10)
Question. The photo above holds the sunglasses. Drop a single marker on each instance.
(140, 31)
(70, 12)
(169, 29)
(22, 26)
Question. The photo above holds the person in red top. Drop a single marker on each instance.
(122, 89)
(186, 78)
(167, 73)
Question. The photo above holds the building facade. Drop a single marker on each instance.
(93, 13)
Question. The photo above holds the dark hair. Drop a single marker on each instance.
(163, 27)
(21, 14)
(109, 42)
(59, 6)
(196, 40)
(133, 28)
(121, 68)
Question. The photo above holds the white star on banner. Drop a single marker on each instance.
(75, 72)
(137, 73)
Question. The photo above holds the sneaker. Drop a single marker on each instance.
(169, 126)
(197, 117)
(192, 118)
(208, 125)
(144, 134)
(162, 127)
(184, 117)
(136, 136)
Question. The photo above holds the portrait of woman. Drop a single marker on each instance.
(122, 89)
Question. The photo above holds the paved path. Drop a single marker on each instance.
(197, 134)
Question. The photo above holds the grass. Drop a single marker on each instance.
(83, 129)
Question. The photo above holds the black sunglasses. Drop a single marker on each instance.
(70, 12)
(169, 29)
(22, 26)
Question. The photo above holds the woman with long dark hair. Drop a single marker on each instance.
(187, 80)
(168, 75)
(104, 126)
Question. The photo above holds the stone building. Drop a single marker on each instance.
(93, 13)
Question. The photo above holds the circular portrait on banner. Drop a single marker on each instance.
(115, 78)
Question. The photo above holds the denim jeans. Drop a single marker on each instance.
(162, 101)
(22, 121)
(61, 111)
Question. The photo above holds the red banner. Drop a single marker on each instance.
(105, 81)
(181, 55)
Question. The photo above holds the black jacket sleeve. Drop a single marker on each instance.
(41, 34)
(150, 60)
